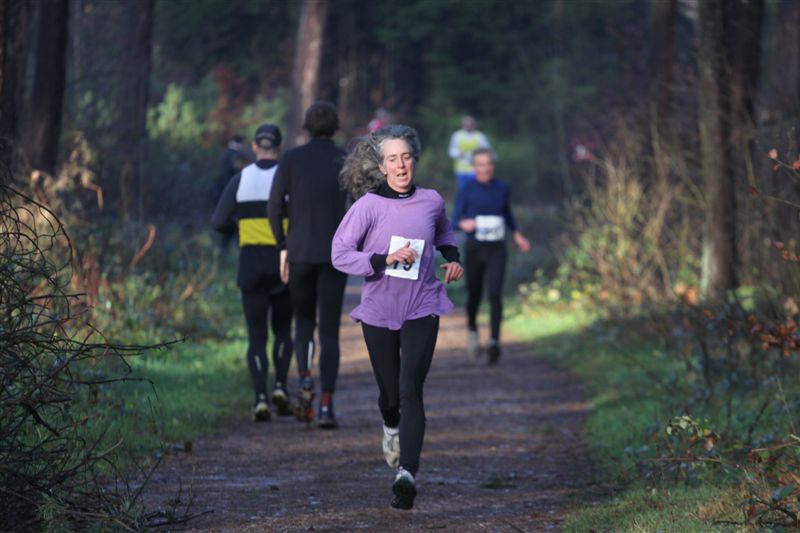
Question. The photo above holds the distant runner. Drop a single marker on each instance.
(388, 236)
(233, 161)
(243, 204)
(483, 211)
(306, 187)
(379, 120)
(462, 144)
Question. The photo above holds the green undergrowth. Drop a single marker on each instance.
(194, 387)
(678, 510)
(170, 396)
(182, 390)
(624, 408)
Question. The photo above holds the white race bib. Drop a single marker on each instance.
(490, 228)
(399, 270)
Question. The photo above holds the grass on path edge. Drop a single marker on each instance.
(619, 417)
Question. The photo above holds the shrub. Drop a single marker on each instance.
(58, 467)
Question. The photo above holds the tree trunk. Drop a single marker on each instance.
(557, 88)
(347, 67)
(13, 25)
(132, 127)
(43, 127)
(719, 238)
(663, 17)
(305, 73)
(787, 66)
(743, 21)
(795, 71)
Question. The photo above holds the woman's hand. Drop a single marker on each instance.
(452, 271)
(467, 224)
(405, 255)
(521, 242)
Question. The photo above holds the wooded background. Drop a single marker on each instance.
(148, 92)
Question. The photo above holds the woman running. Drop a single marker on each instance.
(388, 236)
(483, 211)
(243, 206)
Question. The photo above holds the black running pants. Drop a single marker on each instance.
(315, 285)
(400, 361)
(485, 262)
(257, 307)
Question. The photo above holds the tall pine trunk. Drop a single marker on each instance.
(719, 236)
(663, 17)
(13, 26)
(558, 86)
(305, 72)
(43, 126)
(137, 40)
(743, 21)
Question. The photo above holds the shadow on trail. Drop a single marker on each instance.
(503, 452)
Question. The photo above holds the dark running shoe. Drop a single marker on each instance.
(304, 410)
(494, 353)
(326, 419)
(281, 400)
(261, 411)
(404, 490)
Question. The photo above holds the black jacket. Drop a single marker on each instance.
(306, 188)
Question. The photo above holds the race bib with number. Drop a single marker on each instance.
(490, 228)
(399, 270)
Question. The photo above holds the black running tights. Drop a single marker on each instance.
(313, 285)
(256, 308)
(400, 361)
(485, 262)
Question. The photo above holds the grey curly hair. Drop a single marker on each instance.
(360, 173)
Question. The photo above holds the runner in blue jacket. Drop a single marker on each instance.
(483, 212)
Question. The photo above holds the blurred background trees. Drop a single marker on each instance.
(637, 122)
(542, 78)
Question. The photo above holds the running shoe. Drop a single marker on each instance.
(404, 490)
(281, 400)
(326, 419)
(261, 411)
(391, 446)
(304, 410)
(473, 345)
(494, 353)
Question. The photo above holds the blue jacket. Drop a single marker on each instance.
(476, 198)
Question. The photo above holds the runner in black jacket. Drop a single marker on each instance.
(243, 206)
(307, 186)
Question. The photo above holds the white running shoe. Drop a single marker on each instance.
(391, 446)
(473, 345)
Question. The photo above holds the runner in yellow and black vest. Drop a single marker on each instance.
(243, 206)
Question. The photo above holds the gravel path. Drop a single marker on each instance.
(503, 452)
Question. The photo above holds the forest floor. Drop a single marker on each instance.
(503, 451)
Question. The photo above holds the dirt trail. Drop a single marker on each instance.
(503, 452)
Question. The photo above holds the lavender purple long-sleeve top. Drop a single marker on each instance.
(367, 229)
